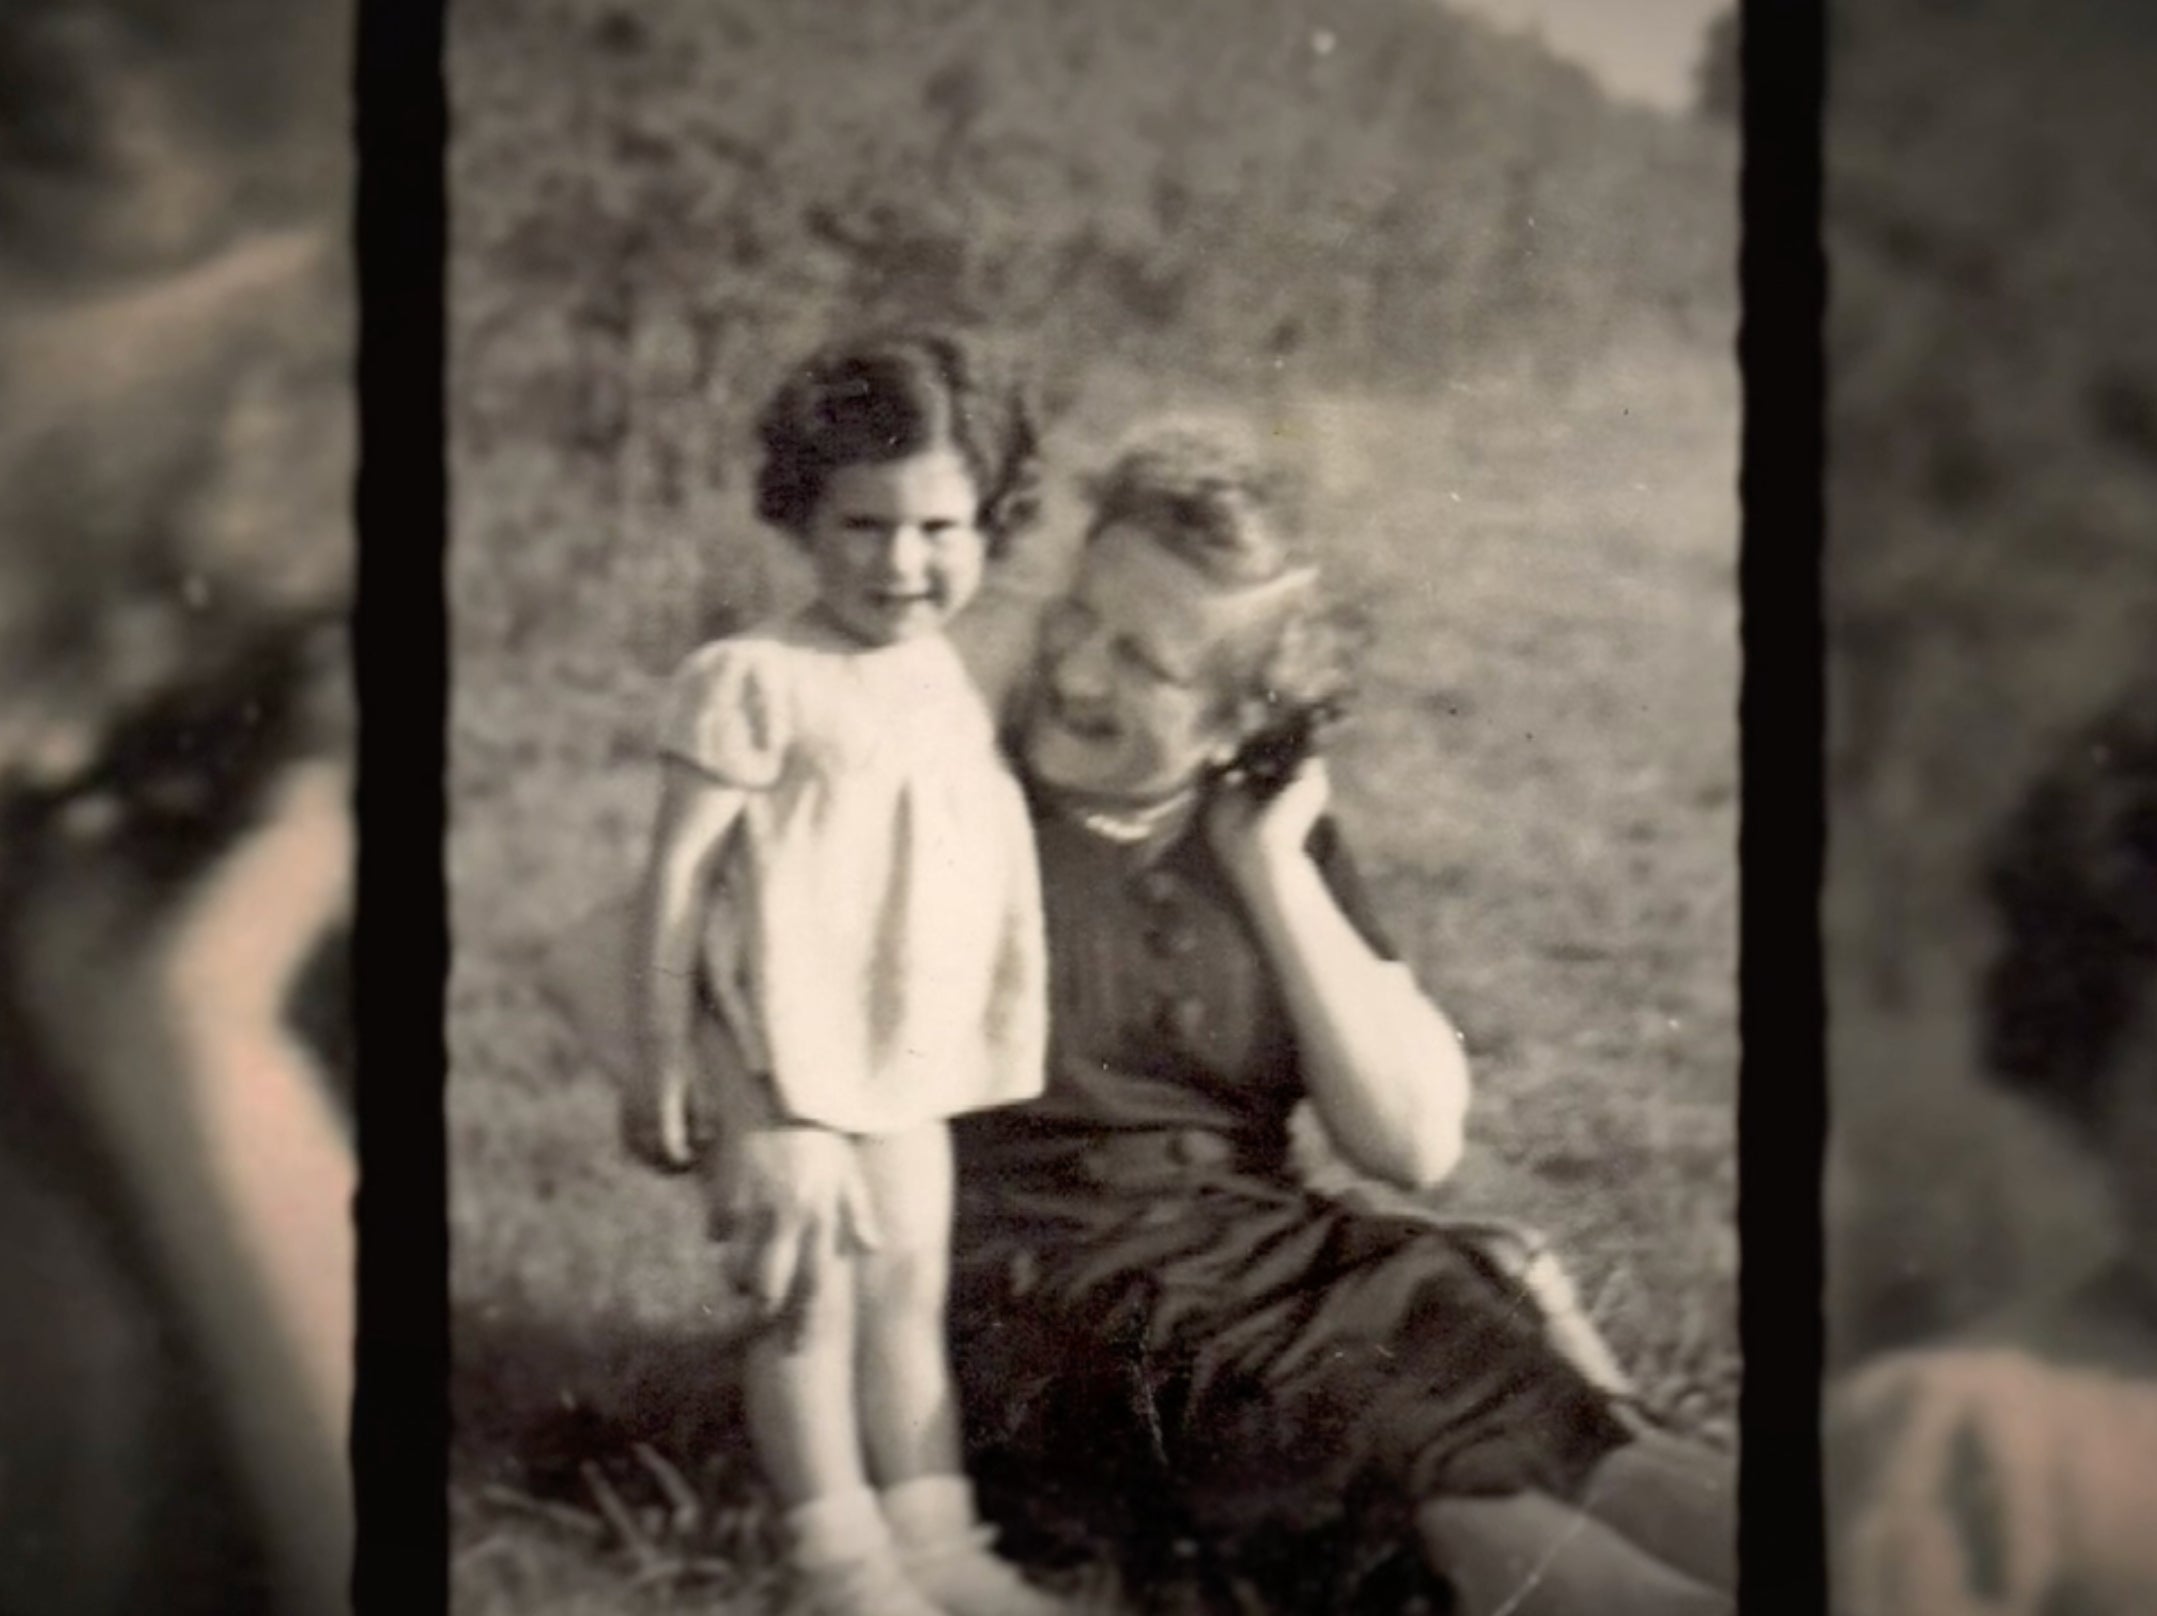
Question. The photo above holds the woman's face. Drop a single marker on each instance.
(897, 547)
(1127, 704)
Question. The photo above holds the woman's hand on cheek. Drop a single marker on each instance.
(793, 1198)
(1255, 840)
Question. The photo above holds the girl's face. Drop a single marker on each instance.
(897, 545)
(1127, 707)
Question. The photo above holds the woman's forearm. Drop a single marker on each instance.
(1385, 1069)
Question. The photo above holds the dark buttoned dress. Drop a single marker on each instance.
(1159, 1332)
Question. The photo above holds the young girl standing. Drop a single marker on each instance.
(844, 949)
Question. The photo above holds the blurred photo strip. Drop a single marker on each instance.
(1990, 917)
(177, 1167)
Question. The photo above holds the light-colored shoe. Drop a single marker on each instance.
(966, 1579)
(872, 1584)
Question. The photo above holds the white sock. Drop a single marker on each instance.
(836, 1528)
(930, 1511)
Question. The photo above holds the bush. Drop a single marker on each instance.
(658, 208)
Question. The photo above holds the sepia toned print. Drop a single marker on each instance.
(1442, 332)
(176, 1145)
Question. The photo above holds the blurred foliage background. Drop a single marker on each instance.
(659, 205)
(175, 353)
(1991, 222)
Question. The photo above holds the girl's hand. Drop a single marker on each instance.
(1254, 840)
(790, 1199)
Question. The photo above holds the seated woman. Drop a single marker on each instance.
(1149, 1306)
(1159, 1331)
(2015, 1470)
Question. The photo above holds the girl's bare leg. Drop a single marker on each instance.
(801, 1397)
(798, 1394)
(909, 1411)
(1527, 1554)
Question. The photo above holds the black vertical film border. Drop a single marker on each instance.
(400, 1416)
(1782, 1109)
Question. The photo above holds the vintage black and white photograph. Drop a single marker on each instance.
(1092, 807)
(177, 1155)
(1214, 1089)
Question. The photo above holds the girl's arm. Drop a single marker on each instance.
(1384, 1067)
(697, 815)
(792, 1191)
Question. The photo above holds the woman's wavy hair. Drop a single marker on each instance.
(1216, 503)
(879, 398)
(2073, 878)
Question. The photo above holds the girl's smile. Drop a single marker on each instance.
(897, 546)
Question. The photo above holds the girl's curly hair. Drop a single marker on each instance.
(2073, 879)
(875, 399)
(1218, 505)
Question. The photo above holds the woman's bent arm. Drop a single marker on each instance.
(1385, 1068)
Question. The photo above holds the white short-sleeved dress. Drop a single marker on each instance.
(877, 943)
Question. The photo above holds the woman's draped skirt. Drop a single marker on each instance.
(1154, 1330)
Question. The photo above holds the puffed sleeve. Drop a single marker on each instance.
(726, 714)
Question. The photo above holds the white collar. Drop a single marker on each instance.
(1128, 827)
